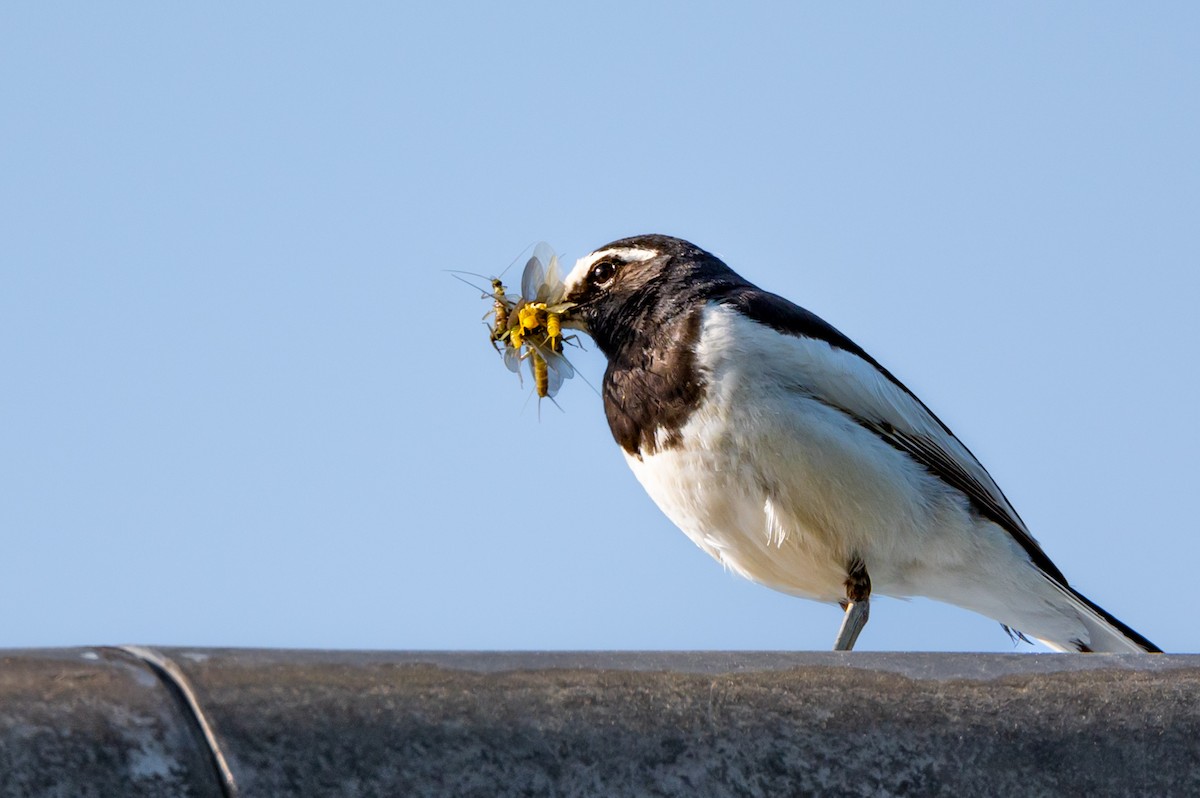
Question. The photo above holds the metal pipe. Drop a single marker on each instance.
(103, 722)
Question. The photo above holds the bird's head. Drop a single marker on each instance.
(630, 288)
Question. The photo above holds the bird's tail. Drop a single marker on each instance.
(1106, 634)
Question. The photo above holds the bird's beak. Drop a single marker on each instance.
(572, 320)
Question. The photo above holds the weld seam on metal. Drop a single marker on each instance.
(177, 683)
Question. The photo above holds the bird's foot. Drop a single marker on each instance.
(857, 605)
(852, 624)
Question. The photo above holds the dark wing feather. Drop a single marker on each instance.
(928, 453)
(929, 442)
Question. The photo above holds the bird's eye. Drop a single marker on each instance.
(603, 272)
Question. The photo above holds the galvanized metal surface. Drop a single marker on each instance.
(95, 722)
(101, 722)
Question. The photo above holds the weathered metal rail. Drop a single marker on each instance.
(218, 723)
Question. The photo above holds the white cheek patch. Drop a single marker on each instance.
(583, 265)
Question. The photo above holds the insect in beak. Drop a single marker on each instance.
(530, 327)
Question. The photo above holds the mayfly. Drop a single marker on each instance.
(500, 305)
(530, 327)
(535, 334)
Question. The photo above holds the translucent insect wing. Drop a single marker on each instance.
(554, 377)
(554, 381)
(512, 359)
(534, 276)
(554, 283)
(560, 365)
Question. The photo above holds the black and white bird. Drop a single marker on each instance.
(790, 455)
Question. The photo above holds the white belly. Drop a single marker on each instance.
(786, 490)
(789, 504)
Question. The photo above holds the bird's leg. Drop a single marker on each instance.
(857, 605)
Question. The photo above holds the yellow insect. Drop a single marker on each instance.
(530, 326)
(541, 374)
(529, 317)
(538, 331)
(500, 306)
(554, 331)
(540, 321)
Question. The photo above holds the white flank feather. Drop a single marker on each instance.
(779, 482)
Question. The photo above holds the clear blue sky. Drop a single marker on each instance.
(241, 404)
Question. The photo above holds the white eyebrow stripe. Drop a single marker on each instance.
(626, 254)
